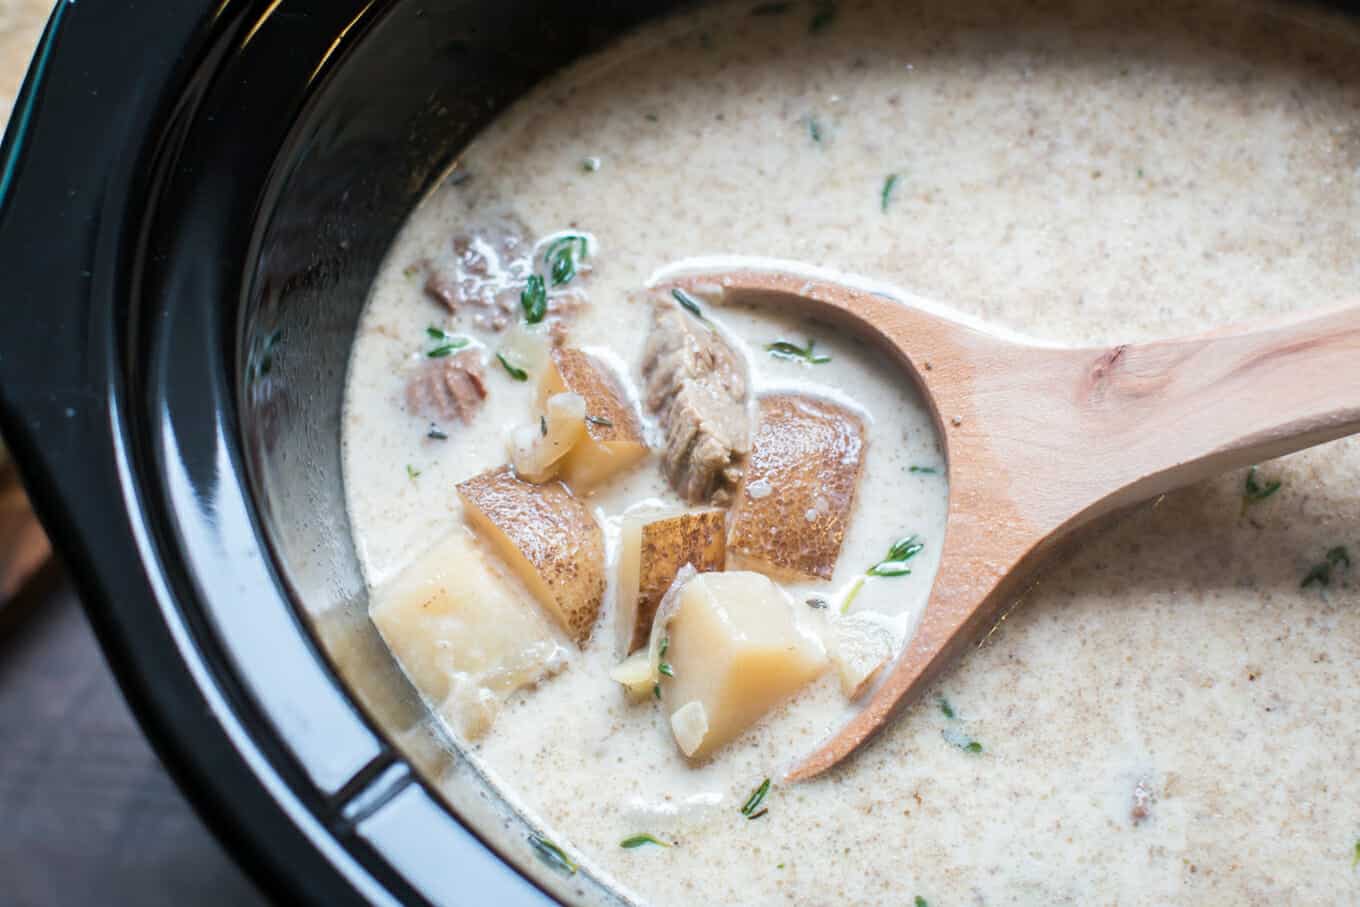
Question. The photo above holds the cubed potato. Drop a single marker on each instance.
(860, 645)
(652, 549)
(547, 537)
(637, 674)
(614, 439)
(537, 449)
(465, 632)
(735, 647)
(794, 505)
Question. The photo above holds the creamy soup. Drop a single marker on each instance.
(1169, 717)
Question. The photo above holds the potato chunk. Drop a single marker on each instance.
(548, 538)
(466, 634)
(652, 549)
(614, 439)
(735, 647)
(537, 449)
(795, 502)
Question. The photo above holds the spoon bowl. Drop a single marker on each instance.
(1040, 439)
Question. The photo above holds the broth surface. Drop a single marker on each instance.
(1169, 717)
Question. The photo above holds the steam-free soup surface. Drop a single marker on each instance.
(1173, 716)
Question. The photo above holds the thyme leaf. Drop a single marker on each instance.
(543, 426)
(534, 299)
(665, 668)
(814, 128)
(551, 854)
(784, 349)
(962, 741)
(850, 596)
(920, 902)
(445, 343)
(514, 371)
(688, 303)
(664, 648)
(564, 255)
(656, 690)
(411, 472)
(895, 564)
(590, 164)
(756, 798)
(885, 197)
(924, 470)
(1253, 490)
(640, 840)
(1321, 572)
(945, 707)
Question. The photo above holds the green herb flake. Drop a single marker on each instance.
(665, 668)
(756, 798)
(551, 854)
(665, 647)
(640, 840)
(543, 426)
(758, 815)
(1355, 860)
(945, 707)
(1320, 574)
(823, 16)
(779, 866)
(924, 470)
(885, 197)
(445, 343)
(436, 434)
(564, 256)
(656, 690)
(688, 303)
(590, 164)
(650, 117)
(411, 472)
(895, 564)
(534, 299)
(1254, 490)
(514, 371)
(814, 128)
(771, 9)
(920, 902)
(600, 421)
(784, 349)
(962, 741)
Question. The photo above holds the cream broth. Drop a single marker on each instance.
(1170, 717)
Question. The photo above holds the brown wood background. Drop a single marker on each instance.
(87, 813)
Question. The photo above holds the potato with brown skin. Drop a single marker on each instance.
(614, 439)
(547, 537)
(652, 549)
(794, 505)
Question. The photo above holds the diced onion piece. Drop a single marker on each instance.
(536, 450)
(860, 645)
(689, 723)
(637, 673)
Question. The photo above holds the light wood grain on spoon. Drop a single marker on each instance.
(1041, 440)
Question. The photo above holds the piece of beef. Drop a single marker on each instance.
(697, 384)
(448, 389)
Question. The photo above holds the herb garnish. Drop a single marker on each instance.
(924, 470)
(770, 9)
(534, 299)
(757, 797)
(514, 371)
(784, 349)
(920, 902)
(963, 742)
(650, 117)
(814, 128)
(639, 840)
(436, 434)
(1321, 572)
(599, 420)
(411, 472)
(688, 303)
(590, 164)
(823, 17)
(543, 426)
(758, 815)
(551, 854)
(885, 196)
(1355, 861)
(664, 647)
(1253, 490)
(446, 342)
(850, 596)
(895, 564)
(656, 690)
(563, 255)
(945, 707)
(665, 668)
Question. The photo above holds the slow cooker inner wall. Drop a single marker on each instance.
(403, 88)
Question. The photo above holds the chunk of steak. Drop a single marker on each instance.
(448, 389)
(697, 384)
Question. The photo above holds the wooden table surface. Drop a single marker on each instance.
(87, 813)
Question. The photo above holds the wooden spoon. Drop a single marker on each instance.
(1041, 440)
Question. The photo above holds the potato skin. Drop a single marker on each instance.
(698, 539)
(548, 537)
(805, 463)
